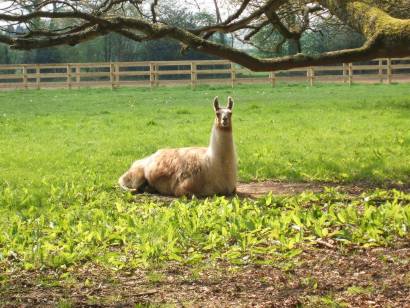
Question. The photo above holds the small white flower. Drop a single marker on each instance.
(296, 227)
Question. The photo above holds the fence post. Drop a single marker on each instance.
(77, 75)
(344, 72)
(156, 74)
(193, 75)
(307, 74)
(311, 74)
(24, 68)
(272, 78)
(112, 76)
(151, 74)
(233, 74)
(389, 73)
(381, 70)
(350, 74)
(117, 75)
(68, 68)
(38, 76)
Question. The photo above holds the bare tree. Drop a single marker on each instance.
(385, 25)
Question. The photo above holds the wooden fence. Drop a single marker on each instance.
(76, 75)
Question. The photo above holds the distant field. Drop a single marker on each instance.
(292, 133)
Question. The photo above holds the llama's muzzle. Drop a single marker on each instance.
(225, 121)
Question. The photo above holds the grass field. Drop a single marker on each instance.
(61, 153)
(291, 133)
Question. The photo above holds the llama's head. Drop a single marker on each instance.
(223, 116)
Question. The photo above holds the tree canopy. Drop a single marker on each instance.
(383, 27)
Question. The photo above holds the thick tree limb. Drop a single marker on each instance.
(283, 30)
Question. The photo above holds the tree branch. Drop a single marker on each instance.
(241, 23)
(153, 12)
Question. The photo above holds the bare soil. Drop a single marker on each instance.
(319, 277)
(258, 189)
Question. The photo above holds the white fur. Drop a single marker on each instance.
(222, 163)
(190, 171)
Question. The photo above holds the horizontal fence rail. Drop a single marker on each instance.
(154, 73)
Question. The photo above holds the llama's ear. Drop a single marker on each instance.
(216, 103)
(230, 103)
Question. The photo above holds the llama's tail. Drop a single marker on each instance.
(123, 181)
(133, 179)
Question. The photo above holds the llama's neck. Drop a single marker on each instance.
(221, 145)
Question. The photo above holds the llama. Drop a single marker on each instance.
(190, 171)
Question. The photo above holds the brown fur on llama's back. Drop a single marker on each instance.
(177, 171)
(190, 171)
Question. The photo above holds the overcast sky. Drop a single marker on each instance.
(192, 5)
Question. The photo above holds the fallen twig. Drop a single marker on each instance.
(148, 292)
(323, 243)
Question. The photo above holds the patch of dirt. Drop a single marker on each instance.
(258, 189)
(319, 277)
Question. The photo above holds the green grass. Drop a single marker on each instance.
(61, 153)
(73, 225)
(292, 133)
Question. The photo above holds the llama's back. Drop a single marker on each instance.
(178, 172)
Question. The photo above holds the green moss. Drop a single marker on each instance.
(367, 17)
(370, 19)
